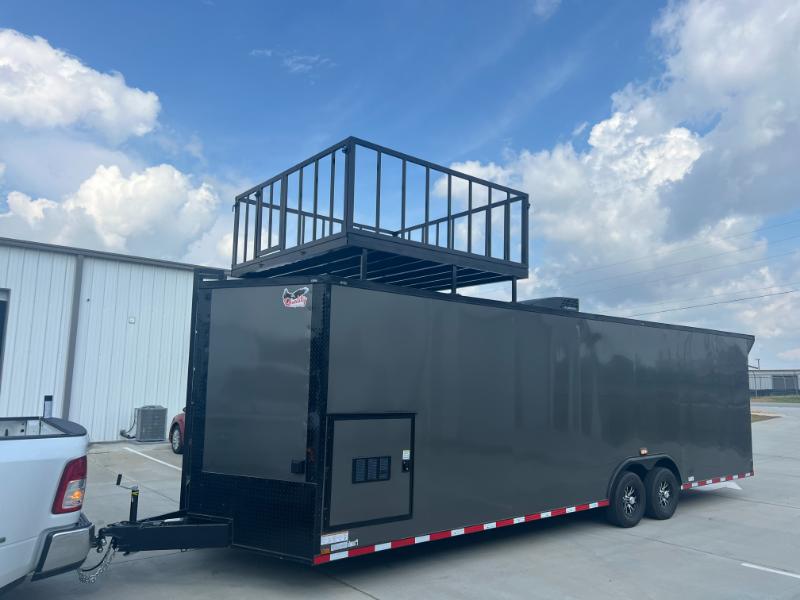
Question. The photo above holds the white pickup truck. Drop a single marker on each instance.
(42, 485)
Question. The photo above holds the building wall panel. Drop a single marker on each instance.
(132, 345)
(35, 352)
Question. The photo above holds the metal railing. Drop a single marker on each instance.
(359, 187)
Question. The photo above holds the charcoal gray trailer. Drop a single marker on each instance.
(342, 402)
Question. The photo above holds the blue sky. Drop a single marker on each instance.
(429, 78)
(657, 140)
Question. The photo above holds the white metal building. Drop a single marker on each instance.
(774, 382)
(103, 333)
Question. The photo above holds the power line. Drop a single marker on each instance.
(736, 264)
(658, 312)
(677, 250)
(684, 262)
(679, 300)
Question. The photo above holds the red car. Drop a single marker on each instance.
(176, 430)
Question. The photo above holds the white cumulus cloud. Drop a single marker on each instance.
(668, 189)
(155, 212)
(44, 87)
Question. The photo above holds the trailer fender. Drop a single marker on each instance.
(641, 465)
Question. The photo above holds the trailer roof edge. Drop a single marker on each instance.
(326, 279)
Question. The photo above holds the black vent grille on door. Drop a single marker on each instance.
(375, 468)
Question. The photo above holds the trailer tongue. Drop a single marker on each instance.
(167, 532)
(340, 405)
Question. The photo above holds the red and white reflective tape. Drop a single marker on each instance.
(693, 484)
(440, 535)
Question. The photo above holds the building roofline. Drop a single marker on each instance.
(755, 370)
(100, 254)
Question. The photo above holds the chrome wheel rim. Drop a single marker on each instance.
(664, 494)
(176, 439)
(629, 500)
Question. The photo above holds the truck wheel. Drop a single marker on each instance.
(175, 439)
(662, 493)
(627, 505)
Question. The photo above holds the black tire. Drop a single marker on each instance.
(627, 503)
(176, 439)
(662, 491)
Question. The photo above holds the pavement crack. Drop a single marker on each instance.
(684, 547)
(350, 585)
(727, 497)
(756, 456)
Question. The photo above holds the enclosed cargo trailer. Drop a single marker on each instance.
(365, 416)
(340, 404)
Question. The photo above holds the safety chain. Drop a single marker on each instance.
(91, 574)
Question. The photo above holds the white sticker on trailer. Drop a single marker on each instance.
(334, 538)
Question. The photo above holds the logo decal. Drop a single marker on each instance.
(296, 299)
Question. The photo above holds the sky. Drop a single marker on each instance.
(658, 140)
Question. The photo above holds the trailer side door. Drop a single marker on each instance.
(371, 475)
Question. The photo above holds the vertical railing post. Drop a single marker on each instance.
(301, 220)
(507, 228)
(403, 202)
(488, 234)
(378, 195)
(259, 211)
(450, 236)
(525, 224)
(282, 222)
(235, 233)
(269, 219)
(349, 184)
(316, 203)
(427, 203)
(332, 189)
(469, 217)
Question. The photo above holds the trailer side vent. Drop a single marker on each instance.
(375, 468)
(151, 424)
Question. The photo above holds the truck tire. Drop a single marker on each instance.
(627, 503)
(662, 491)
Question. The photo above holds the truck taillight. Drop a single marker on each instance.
(71, 488)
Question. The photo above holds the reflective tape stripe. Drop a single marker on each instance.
(439, 535)
(693, 484)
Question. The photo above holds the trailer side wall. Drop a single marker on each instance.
(518, 411)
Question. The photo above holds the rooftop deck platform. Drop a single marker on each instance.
(359, 210)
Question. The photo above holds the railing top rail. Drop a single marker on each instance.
(290, 170)
(383, 150)
(435, 167)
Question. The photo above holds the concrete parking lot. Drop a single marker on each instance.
(735, 541)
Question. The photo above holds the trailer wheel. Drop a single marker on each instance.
(627, 505)
(175, 439)
(662, 493)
